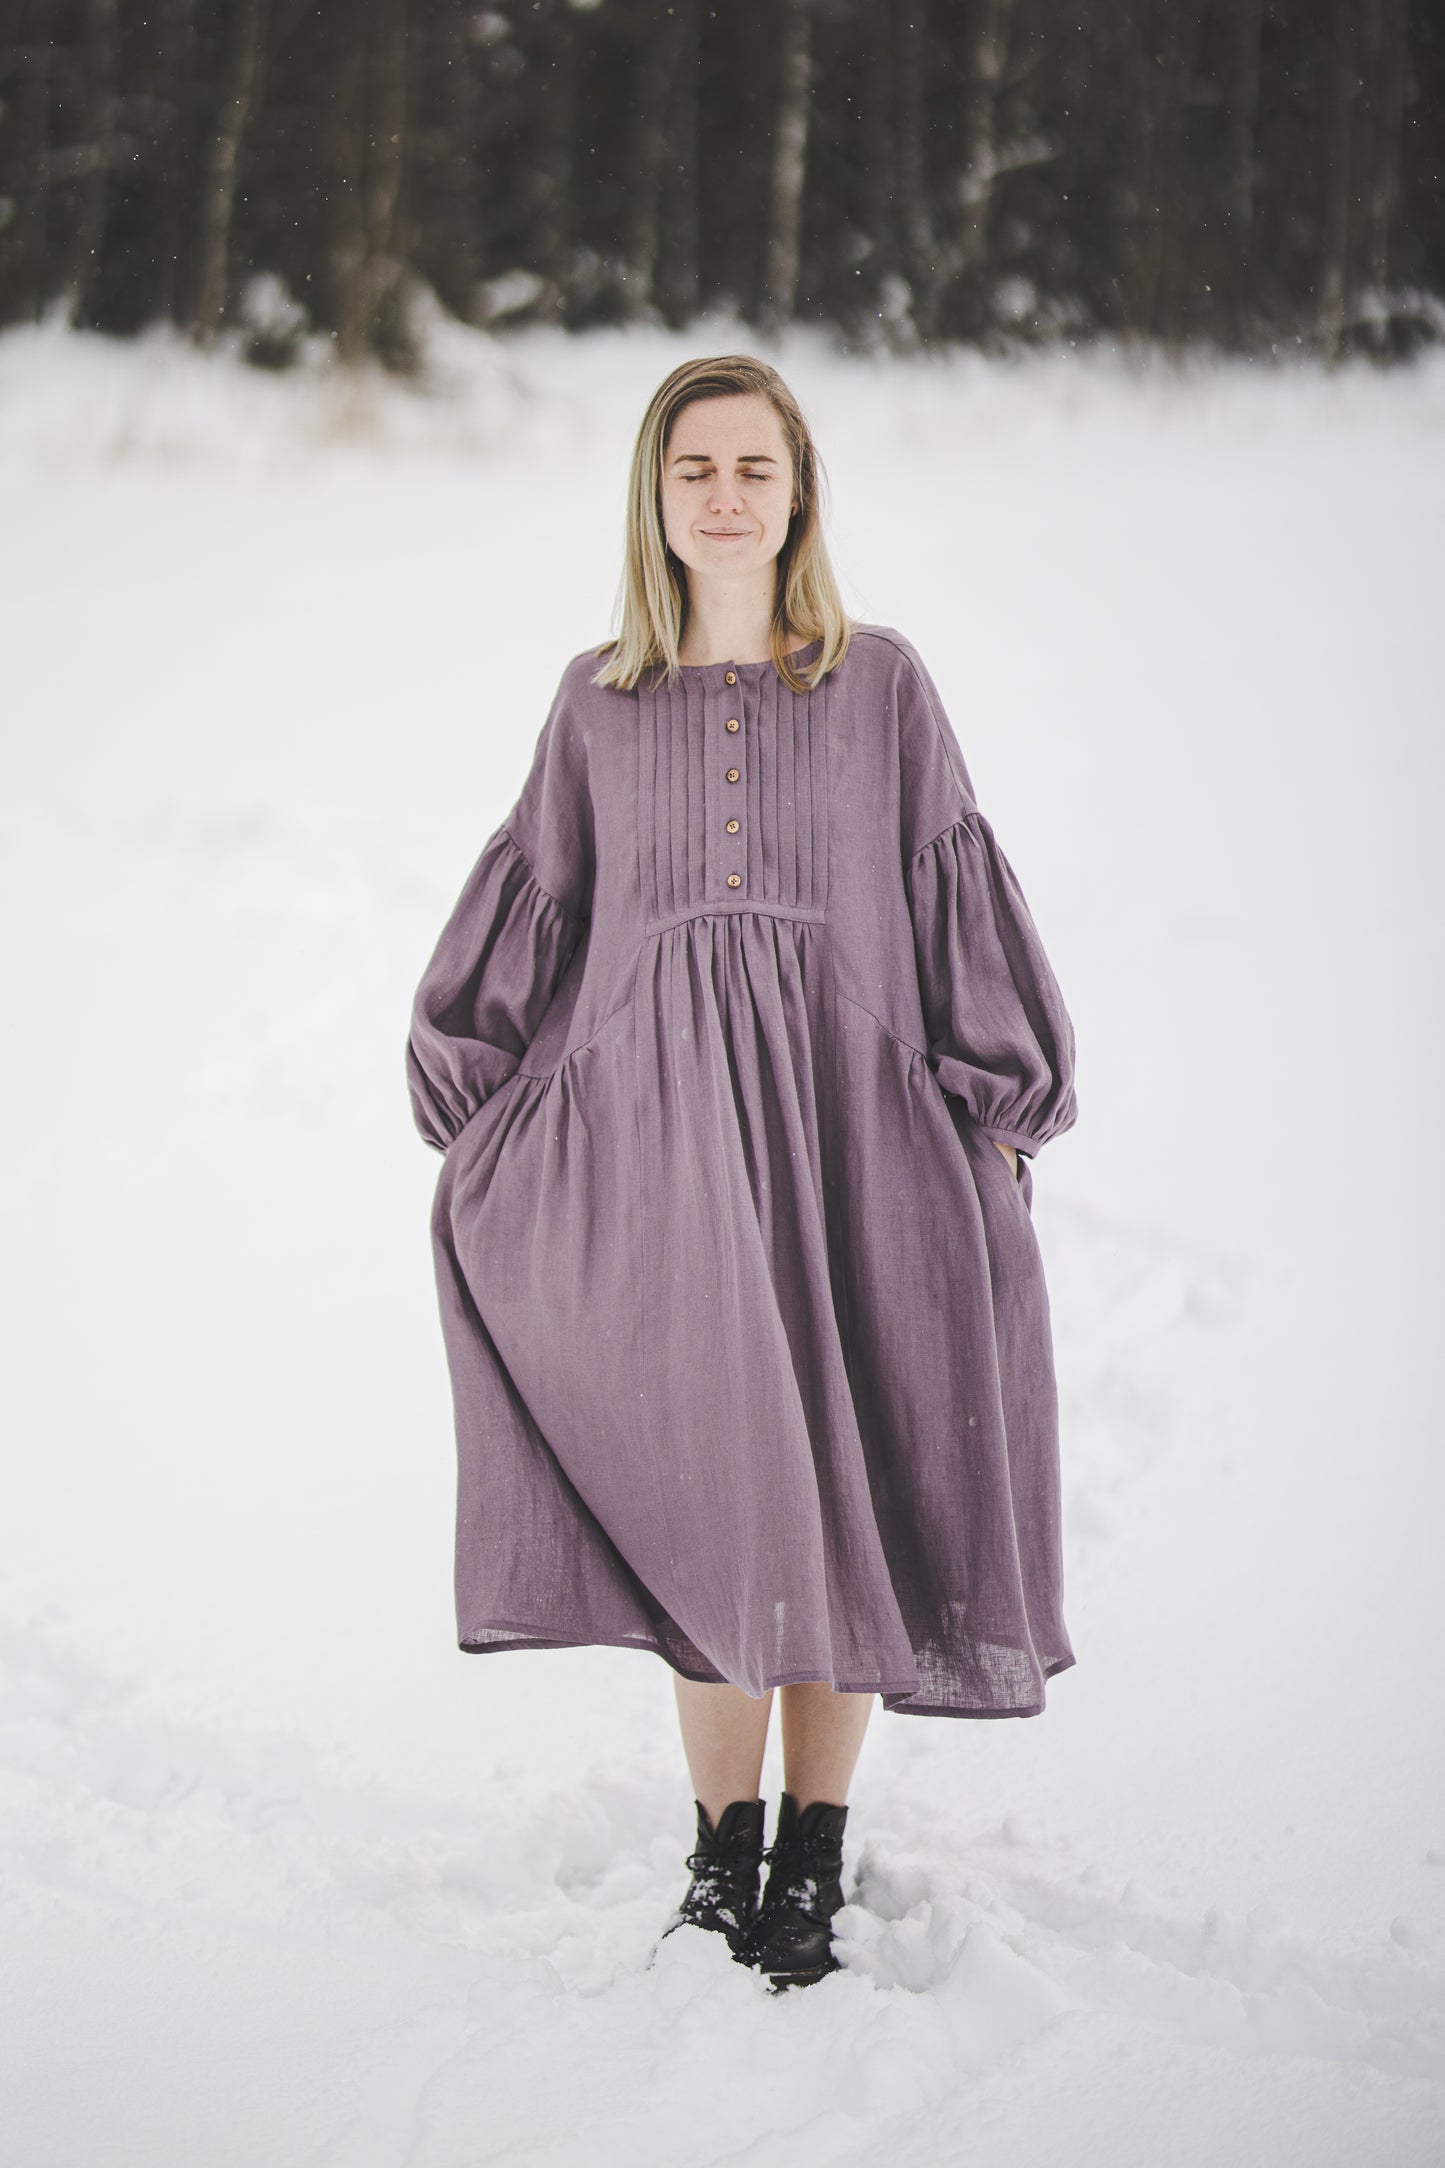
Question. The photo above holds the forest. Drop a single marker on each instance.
(1261, 177)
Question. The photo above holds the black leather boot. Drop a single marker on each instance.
(723, 1893)
(791, 1937)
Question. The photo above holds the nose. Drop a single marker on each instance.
(725, 498)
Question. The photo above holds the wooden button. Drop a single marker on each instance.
(735, 880)
(732, 775)
(733, 723)
(733, 827)
(732, 677)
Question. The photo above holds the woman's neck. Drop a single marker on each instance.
(718, 634)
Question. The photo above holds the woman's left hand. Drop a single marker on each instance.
(1009, 1154)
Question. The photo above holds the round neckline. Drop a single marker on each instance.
(704, 669)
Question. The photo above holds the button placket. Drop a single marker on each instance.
(732, 851)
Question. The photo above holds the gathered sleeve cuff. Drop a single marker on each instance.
(489, 983)
(998, 1034)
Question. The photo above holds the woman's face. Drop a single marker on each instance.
(727, 485)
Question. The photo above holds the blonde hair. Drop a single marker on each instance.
(652, 599)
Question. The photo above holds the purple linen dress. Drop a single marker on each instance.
(744, 1312)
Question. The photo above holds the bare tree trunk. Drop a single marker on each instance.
(1387, 27)
(94, 154)
(661, 244)
(918, 242)
(1175, 238)
(654, 76)
(386, 158)
(223, 158)
(1243, 113)
(676, 283)
(980, 138)
(367, 159)
(1335, 296)
(347, 204)
(25, 121)
(176, 38)
(458, 183)
(880, 155)
(552, 236)
(1243, 123)
(1152, 87)
(790, 160)
(956, 267)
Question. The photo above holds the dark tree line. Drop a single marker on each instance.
(1264, 175)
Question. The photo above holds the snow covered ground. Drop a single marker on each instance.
(288, 1882)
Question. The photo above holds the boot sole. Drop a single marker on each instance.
(777, 1981)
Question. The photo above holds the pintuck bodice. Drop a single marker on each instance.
(732, 795)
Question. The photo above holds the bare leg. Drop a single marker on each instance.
(822, 1735)
(724, 1732)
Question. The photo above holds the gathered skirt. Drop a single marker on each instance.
(750, 1345)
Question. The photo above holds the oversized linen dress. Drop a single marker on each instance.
(744, 1311)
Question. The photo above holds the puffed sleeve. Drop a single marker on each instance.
(998, 1035)
(500, 957)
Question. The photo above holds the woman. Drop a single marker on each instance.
(737, 1043)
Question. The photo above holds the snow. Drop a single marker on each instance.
(284, 1877)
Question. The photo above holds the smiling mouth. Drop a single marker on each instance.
(725, 534)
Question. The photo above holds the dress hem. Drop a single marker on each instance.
(941, 1708)
(897, 1699)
